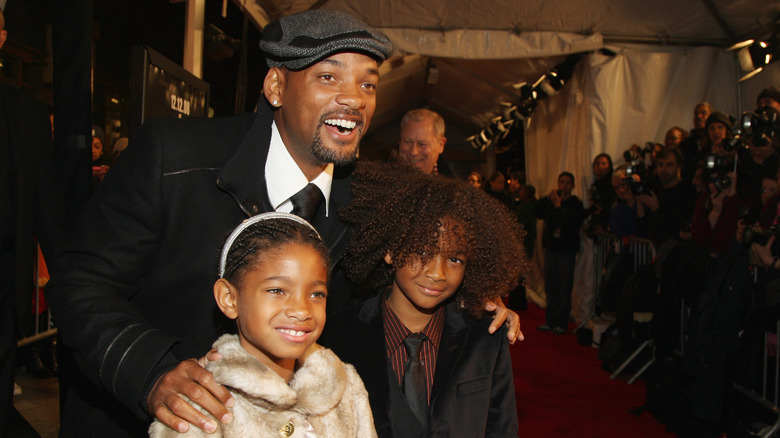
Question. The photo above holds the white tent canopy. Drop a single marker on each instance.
(461, 58)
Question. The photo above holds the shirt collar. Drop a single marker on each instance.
(284, 178)
(396, 331)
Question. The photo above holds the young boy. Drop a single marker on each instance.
(436, 248)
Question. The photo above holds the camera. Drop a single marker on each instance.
(757, 234)
(638, 187)
(638, 159)
(717, 168)
(760, 127)
(559, 193)
(636, 154)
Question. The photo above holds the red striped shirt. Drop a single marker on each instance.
(396, 332)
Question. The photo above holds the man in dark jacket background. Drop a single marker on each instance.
(562, 213)
(30, 210)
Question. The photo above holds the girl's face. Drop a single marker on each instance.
(717, 132)
(280, 305)
(97, 148)
(601, 167)
(422, 288)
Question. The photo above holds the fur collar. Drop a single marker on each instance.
(316, 387)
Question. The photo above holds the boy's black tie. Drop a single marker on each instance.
(307, 201)
(415, 389)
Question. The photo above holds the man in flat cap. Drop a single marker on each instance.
(136, 300)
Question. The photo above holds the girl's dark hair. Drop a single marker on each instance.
(398, 210)
(267, 235)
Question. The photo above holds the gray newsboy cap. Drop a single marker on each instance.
(300, 40)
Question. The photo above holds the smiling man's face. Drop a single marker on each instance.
(324, 110)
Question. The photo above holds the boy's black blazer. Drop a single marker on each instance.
(473, 390)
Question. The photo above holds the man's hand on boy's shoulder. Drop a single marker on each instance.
(191, 380)
(504, 315)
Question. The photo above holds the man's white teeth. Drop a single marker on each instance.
(341, 123)
(292, 332)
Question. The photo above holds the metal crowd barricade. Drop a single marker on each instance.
(766, 397)
(601, 247)
(643, 252)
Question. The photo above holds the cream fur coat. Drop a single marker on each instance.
(325, 399)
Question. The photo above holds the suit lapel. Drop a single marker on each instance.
(370, 346)
(332, 230)
(244, 174)
(454, 337)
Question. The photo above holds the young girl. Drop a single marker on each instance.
(437, 248)
(273, 282)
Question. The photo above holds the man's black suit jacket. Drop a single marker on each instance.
(137, 294)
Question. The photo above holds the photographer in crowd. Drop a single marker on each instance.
(669, 203)
(695, 148)
(627, 215)
(716, 212)
(601, 196)
(763, 160)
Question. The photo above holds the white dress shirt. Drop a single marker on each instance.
(284, 178)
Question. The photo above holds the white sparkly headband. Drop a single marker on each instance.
(251, 221)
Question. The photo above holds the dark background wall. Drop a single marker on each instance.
(117, 26)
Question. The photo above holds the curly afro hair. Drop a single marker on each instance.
(412, 216)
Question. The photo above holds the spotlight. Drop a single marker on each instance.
(476, 142)
(483, 136)
(754, 55)
(527, 106)
(551, 83)
(510, 112)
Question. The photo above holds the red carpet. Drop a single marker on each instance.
(563, 392)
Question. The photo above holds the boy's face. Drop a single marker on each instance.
(422, 288)
(280, 305)
(566, 185)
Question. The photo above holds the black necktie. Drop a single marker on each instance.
(415, 389)
(307, 201)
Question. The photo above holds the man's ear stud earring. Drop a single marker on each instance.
(275, 102)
